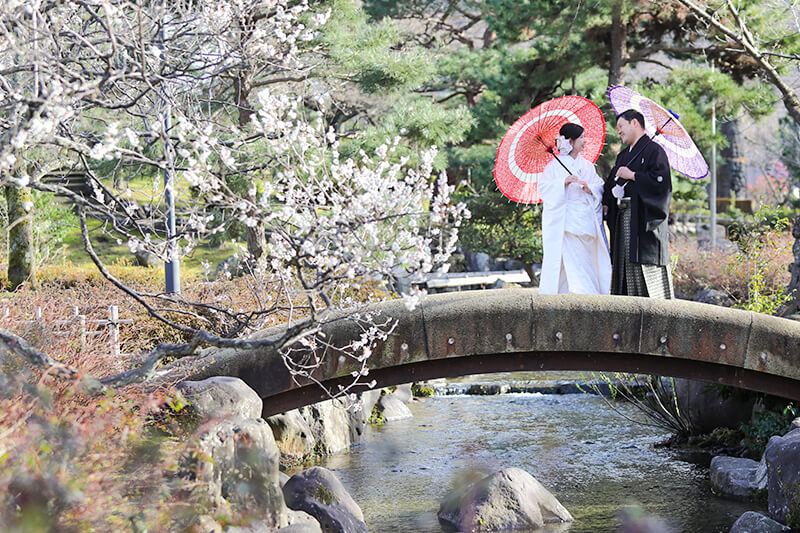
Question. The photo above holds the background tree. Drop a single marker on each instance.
(21, 251)
(695, 91)
(756, 37)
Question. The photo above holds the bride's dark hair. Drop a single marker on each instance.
(571, 131)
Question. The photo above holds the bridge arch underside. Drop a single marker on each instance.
(545, 361)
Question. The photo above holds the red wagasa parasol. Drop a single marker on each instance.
(530, 144)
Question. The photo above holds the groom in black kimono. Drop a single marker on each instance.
(636, 201)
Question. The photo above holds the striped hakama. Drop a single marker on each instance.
(636, 279)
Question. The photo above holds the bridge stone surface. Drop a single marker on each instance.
(472, 332)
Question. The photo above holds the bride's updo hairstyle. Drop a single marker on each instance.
(571, 131)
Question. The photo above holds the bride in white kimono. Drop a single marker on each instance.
(576, 257)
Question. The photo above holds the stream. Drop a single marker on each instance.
(592, 459)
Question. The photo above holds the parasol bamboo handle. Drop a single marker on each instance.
(550, 150)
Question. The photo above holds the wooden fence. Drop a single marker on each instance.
(79, 322)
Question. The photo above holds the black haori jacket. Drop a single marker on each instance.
(650, 194)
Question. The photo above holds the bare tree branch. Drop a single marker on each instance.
(744, 37)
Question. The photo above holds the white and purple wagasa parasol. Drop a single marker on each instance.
(663, 127)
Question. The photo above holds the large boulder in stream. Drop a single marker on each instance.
(752, 522)
(508, 500)
(319, 493)
(783, 478)
(735, 477)
(236, 463)
(220, 397)
(707, 408)
(369, 399)
(403, 393)
(323, 428)
(393, 408)
(293, 436)
(334, 424)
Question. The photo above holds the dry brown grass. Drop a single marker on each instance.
(759, 264)
(70, 462)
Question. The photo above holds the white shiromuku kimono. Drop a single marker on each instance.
(576, 257)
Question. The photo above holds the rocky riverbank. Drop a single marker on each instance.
(234, 469)
(776, 477)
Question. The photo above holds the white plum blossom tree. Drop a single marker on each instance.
(220, 97)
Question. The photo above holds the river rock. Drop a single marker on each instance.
(301, 522)
(319, 493)
(237, 462)
(392, 408)
(368, 401)
(510, 499)
(714, 297)
(147, 259)
(293, 435)
(514, 264)
(479, 262)
(795, 424)
(484, 389)
(499, 284)
(752, 522)
(403, 392)
(334, 426)
(252, 527)
(783, 478)
(400, 281)
(320, 429)
(204, 524)
(634, 520)
(707, 409)
(761, 475)
(221, 396)
(734, 476)
(302, 525)
(305, 527)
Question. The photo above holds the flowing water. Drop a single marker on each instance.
(594, 461)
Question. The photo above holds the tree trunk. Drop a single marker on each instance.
(619, 45)
(489, 36)
(793, 289)
(21, 254)
(731, 175)
(733, 156)
(740, 33)
(242, 87)
(256, 242)
(256, 238)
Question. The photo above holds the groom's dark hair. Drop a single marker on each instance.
(632, 114)
(571, 131)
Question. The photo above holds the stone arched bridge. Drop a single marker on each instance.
(456, 334)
